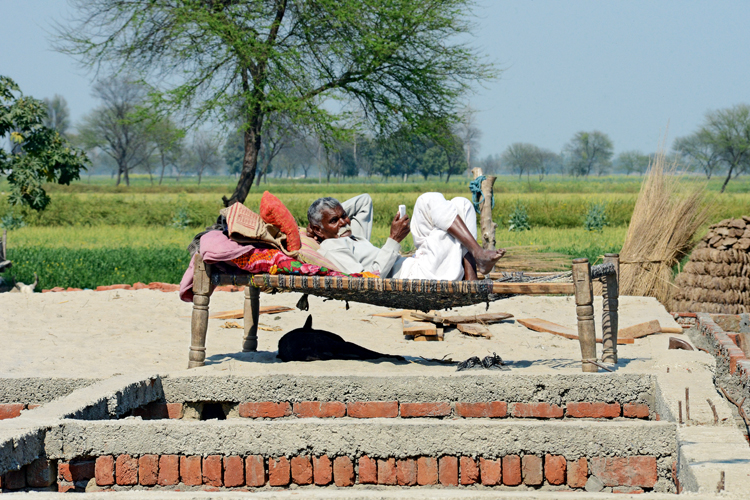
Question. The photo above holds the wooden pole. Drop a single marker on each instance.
(486, 224)
(585, 313)
(610, 317)
(252, 309)
(199, 323)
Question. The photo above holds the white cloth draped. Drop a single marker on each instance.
(439, 255)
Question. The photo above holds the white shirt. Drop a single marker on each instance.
(355, 255)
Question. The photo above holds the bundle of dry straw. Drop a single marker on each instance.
(667, 215)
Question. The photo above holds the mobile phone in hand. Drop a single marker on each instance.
(401, 211)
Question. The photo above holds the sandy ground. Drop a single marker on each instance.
(97, 334)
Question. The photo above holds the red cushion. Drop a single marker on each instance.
(274, 212)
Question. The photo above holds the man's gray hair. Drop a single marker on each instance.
(313, 213)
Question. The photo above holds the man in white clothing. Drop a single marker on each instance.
(444, 235)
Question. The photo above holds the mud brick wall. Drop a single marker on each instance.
(732, 366)
(395, 409)
(636, 474)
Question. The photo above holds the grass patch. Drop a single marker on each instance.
(91, 267)
(86, 257)
(143, 209)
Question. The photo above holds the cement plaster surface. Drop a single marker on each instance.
(39, 390)
(467, 386)
(378, 438)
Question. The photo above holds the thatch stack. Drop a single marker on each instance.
(667, 214)
(717, 278)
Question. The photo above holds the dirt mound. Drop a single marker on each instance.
(717, 278)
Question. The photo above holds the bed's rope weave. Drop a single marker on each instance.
(423, 295)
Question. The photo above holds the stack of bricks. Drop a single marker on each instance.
(626, 474)
(723, 345)
(395, 409)
(732, 365)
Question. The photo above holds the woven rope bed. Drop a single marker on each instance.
(423, 295)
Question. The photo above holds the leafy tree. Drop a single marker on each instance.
(442, 153)
(206, 153)
(522, 158)
(632, 162)
(401, 152)
(589, 152)
(58, 114)
(167, 139)
(452, 147)
(297, 155)
(434, 162)
(491, 164)
(38, 154)
(723, 139)
(550, 161)
(399, 61)
(116, 127)
(278, 134)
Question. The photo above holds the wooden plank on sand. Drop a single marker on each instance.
(484, 319)
(540, 325)
(639, 330)
(240, 313)
(474, 330)
(390, 314)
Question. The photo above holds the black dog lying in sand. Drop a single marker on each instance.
(308, 344)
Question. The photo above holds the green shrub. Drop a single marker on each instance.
(519, 219)
(596, 218)
(11, 221)
(181, 220)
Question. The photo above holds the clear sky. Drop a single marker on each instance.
(628, 68)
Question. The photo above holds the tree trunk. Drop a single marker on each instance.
(726, 181)
(252, 139)
(200, 174)
(163, 165)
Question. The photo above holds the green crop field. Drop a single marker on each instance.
(94, 233)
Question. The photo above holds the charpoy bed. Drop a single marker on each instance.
(418, 294)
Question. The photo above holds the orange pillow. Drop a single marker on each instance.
(274, 212)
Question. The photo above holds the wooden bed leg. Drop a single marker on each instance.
(252, 308)
(199, 323)
(585, 313)
(610, 317)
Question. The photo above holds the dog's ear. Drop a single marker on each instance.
(308, 323)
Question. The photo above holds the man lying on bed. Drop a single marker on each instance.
(445, 236)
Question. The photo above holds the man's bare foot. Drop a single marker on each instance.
(486, 259)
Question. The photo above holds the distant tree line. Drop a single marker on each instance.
(122, 135)
(721, 146)
(587, 153)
